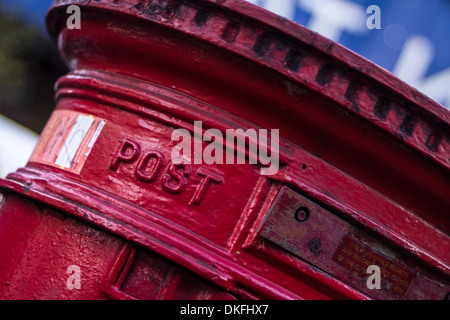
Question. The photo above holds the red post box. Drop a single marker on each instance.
(358, 207)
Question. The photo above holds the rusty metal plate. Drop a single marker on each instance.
(316, 235)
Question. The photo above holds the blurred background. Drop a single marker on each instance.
(413, 43)
(29, 67)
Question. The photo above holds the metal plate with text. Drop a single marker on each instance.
(316, 235)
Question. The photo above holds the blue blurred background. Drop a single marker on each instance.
(29, 67)
(30, 12)
(413, 43)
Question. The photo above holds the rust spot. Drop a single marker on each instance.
(262, 44)
(330, 48)
(293, 59)
(202, 17)
(327, 73)
(434, 140)
(231, 31)
(26, 188)
(408, 125)
(381, 109)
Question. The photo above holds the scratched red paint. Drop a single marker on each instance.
(145, 68)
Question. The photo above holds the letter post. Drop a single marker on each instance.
(363, 176)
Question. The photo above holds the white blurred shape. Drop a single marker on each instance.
(413, 65)
(331, 18)
(16, 145)
(284, 8)
(414, 59)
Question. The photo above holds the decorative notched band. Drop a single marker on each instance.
(348, 80)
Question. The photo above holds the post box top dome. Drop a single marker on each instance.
(210, 30)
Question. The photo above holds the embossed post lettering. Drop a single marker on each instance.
(208, 176)
(174, 180)
(149, 165)
(128, 152)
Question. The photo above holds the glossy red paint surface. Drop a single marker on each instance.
(354, 140)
